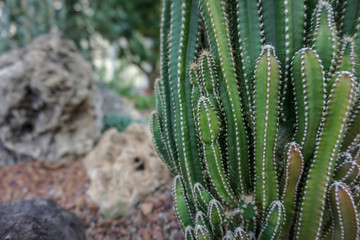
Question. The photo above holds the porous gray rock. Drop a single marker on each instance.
(123, 168)
(38, 219)
(50, 108)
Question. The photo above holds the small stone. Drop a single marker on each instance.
(80, 201)
(146, 208)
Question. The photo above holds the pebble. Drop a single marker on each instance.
(147, 208)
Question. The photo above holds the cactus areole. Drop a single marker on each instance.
(258, 117)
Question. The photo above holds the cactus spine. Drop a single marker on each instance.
(258, 117)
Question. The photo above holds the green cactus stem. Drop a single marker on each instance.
(324, 35)
(328, 143)
(201, 233)
(290, 183)
(266, 111)
(273, 222)
(182, 204)
(237, 143)
(308, 81)
(343, 208)
(347, 172)
(209, 132)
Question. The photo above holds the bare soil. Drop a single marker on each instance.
(67, 183)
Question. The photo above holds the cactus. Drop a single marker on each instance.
(258, 116)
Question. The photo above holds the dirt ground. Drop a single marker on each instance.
(67, 183)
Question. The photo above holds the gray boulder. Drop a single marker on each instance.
(38, 219)
(50, 109)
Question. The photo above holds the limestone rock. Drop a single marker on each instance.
(50, 108)
(38, 219)
(124, 167)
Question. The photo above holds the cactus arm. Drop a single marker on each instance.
(250, 39)
(346, 57)
(159, 95)
(273, 12)
(356, 196)
(313, 202)
(249, 33)
(273, 222)
(164, 31)
(293, 169)
(294, 21)
(216, 217)
(209, 126)
(202, 220)
(202, 233)
(167, 114)
(345, 61)
(209, 80)
(294, 27)
(324, 36)
(347, 172)
(339, 9)
(308, 81)
(355, 153)
(356, 37)
(196, 91)
(352, 135)
(349, 15)
(190, 56)
(184, 26)
(294, 32)
(267, 81)
(159, 142)
(240, 234)
(218, 32)
(160, 130)
(182, 204)
(202, 197)
(310, 5)
(344, 212)
(189, 233)
(344, 156)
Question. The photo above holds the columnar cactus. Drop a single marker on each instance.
(258, 116)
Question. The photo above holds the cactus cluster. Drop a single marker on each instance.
(258, 116)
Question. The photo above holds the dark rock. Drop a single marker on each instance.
(38, 219)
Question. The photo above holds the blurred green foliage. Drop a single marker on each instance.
(118, 121)
(133, 26)
(132, 20)
(23, 20)
(144, 102)
(141, 101)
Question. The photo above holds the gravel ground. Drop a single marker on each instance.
(67, 183)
